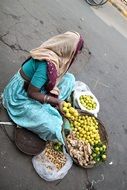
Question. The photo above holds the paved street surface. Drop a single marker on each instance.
(23, 26)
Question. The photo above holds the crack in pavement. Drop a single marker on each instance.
(13, 25)
(11, 15)
(89, 185)
(13, 47)
(4, 34)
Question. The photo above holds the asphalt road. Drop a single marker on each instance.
(23, 26)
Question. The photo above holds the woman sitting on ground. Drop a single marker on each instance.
(36, 92)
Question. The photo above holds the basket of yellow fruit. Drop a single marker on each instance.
(88, 102)
(86, 141)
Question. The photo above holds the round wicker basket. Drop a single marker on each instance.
(103, 136)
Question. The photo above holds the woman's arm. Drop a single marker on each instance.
(34, 93)
(38, 80)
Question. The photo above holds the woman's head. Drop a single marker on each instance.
(60, 52)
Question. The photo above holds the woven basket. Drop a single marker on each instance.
(103, 136)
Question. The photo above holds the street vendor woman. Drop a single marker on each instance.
(35, 93)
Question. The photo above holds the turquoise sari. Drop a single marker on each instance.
(42, 119)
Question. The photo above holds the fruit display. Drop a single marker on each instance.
(55, 156)
(99, 152)
(69, 111)
(85, 128)
(88, 102)
(57, 146)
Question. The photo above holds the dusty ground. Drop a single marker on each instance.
(23, 26)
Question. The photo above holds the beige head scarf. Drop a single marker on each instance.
(58, 50)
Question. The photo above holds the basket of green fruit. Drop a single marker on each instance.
(88, 102)
(86, 141)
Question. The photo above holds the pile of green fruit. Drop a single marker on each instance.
(57, 146)
(88, 102)
(99, 152)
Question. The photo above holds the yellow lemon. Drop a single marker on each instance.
(104, 156)
(71, 110)
(69, 105)
(92, 143)
(65, 104)
(65, 109)
(75, 114)
(72, 117)
(68, 115)
(104, 147)
(75, 129)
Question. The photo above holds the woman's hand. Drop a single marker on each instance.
(60, 106)
(34, 93)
